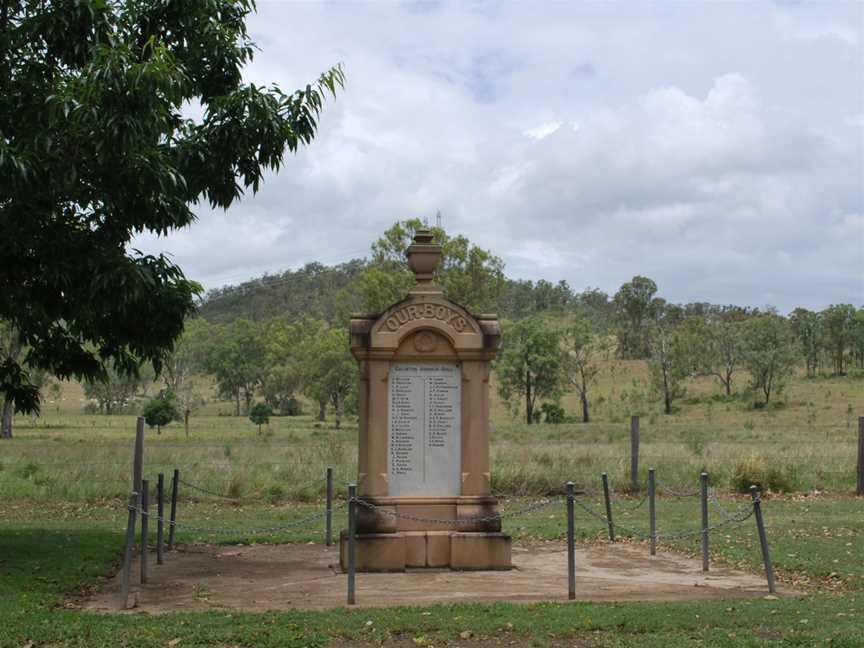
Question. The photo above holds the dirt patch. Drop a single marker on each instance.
(281, 577)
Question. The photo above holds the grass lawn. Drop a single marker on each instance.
(52, 550)
(64, 481)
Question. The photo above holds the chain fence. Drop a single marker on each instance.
(294, 524)
(676, 493)
(140, 507)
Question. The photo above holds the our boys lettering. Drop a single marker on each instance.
(438, 312)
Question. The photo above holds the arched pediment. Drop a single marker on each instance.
(438, 314)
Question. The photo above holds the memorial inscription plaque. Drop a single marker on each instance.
(425, 437)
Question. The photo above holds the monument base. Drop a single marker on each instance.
(389, 552)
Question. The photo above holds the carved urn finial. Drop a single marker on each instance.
(423, 258)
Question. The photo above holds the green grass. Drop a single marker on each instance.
(63, 485)
(805, 442)
(60, 549)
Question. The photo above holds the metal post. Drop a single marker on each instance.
(328, 516)
(145, 531)
(160, 517)
(175, 484)
(652, 511)
(860, 489)
(608, 507)
(138, 456)
(571, 544)
(634, 453)
(763, 540)
(127, 554)
(352, 541)
(703, 482)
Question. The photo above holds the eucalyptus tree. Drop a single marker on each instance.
(807, 327)
(97, 145)
(669, 362)
(469, 275)
(768, 353)
(636, 309)
(330, 374)
(837, 330)
(530, 366)
(581, 350)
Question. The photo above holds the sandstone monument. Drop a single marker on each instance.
(424, 431)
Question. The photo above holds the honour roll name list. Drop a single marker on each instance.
(425, 429)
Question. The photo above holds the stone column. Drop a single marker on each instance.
(475, 431)
(375, 484)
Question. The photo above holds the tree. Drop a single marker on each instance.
(283, 373)
(330, 373)
(768, 353)
(43, 381)
(837, 331)
(96, 145)
(530, 365)
(669, 362)
(235, 357)
(581, 350)
(807, 328)
(186, 360)
(636, 309)
(712, 347)
(10, 349)
(469, 275)
(857, 337)
(116, 390)
(160, 411)
(260, 414)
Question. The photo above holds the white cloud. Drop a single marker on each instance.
(715, 148)
(543, 130)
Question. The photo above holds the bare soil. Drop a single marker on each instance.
(280, 577)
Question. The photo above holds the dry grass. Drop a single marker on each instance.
(805, 441)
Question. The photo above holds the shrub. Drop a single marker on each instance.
(235, 486)
(757, 471)
(552, 413)
(28, 470)
(260, 414)
(274, 494)
(290, 407)
(159, 412)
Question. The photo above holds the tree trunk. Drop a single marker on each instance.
(584, 398)
(186, 422)
(237, 402)
(322, 406)
(728, 385)
(33, 417)
(337, 409)
(6, 426)
(667, 401)
(529, 403)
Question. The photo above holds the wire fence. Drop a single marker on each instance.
(139, 507)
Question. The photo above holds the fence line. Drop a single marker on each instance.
(317, 515)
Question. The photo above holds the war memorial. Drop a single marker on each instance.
(423, 451)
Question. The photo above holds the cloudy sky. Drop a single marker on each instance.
(716, 148)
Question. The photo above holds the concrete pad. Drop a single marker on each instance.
(280, 577)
